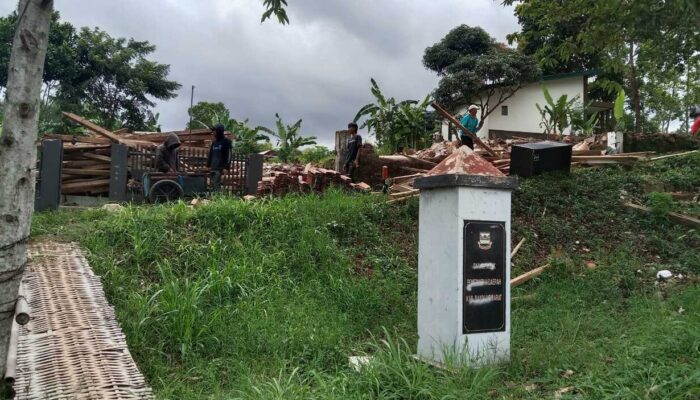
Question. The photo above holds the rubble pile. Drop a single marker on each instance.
(281, 179)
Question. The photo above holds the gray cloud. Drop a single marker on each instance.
(318, 68)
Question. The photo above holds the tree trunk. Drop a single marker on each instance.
(636, 102)
(18, 152)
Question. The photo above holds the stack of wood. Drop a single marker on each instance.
(280, 179)
(86, 158)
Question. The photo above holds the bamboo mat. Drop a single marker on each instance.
(73, 347)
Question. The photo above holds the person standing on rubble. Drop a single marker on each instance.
(470, 122)
(167, 159)
(219, 157)
(352, 158)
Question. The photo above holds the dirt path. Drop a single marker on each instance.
(73, 346)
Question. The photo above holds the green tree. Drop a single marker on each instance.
(91, 73)
(206, 115)
(248, 139)
(289, 139)
(618, 36)
(473, 68)
(396, 124)
(316, 155)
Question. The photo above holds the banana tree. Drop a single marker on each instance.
(393, 123)
(289, 139)
(555, 114)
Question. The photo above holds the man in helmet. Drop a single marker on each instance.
(219, 157)
(470, 122)
(695, 113)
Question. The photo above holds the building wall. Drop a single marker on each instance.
(522, 115)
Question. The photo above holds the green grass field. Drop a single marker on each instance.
(267, 299)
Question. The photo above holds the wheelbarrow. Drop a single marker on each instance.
(161, 187)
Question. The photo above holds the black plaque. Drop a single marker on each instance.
(483, 290)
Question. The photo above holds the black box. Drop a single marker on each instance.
(534, 158)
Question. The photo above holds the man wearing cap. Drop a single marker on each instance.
(470, 122)
(219, 156)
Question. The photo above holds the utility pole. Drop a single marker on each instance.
(190, 111)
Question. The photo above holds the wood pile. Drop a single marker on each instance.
(281, 179)
(87, 157)
(589, 152)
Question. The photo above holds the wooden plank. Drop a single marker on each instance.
(608, 158)
(403, 198)
(517, 247)
(587, 152)
(83, 146)
(93, 127)
(519, 280)
(78, 138)
(98, 157)
(81, 187)
(674, 155)
(452, 119)
(88, 172)
(675, 217)
(90, 164)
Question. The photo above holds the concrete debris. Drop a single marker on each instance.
(196, 203)
(111, 207)
(664, 275)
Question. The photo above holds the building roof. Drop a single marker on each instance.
(586, 73)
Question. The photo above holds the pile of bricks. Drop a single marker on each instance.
(280, 179)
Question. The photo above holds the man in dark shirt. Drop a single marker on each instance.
(352, 159)
(219, 156)
(167, 159)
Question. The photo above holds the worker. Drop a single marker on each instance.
(470, 122)
(167, 159)
(695, 128)
(219, 157)
(352, 158)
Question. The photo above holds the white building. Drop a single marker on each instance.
(518, 116)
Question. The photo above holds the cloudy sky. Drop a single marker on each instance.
(318, 68)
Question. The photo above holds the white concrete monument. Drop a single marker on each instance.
(464, 262)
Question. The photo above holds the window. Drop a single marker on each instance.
(504, 110)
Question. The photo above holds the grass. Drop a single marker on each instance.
(267, 299)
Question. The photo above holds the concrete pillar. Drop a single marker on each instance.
(341, 142)
(119, 171)
(48, 189)
(464, 262)
(254, 173)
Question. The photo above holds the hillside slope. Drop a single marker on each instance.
(268, 299)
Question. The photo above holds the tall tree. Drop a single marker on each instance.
(18, 152)
(205, 114)
(91, 73)
(474, 68)
(613, 35)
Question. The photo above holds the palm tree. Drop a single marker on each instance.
(289, 139)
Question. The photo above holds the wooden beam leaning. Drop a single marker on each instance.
(452, 119)
(93, 127)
